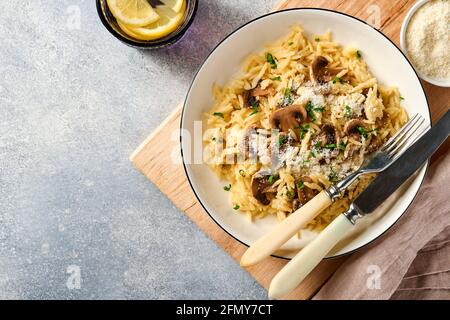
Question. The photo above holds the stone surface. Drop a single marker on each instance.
(74, 102)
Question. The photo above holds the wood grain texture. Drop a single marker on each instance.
(161, 162)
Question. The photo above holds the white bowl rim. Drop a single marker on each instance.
(444, 83)
(207, 58)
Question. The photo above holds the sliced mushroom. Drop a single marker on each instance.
(288, 118)
(328, 135)
(374, 145)
(258, 91)
(249, 99)
(262, 186)
(249, 96)
(351, 127)
(305, 194)
(320, 73)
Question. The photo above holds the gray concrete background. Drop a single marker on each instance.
(73, 104)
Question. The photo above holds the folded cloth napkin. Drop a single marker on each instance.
(412, 260)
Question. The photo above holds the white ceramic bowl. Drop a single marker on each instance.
(386, 62)
(409, 15)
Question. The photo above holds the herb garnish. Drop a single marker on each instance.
(330, 146)
(255, 107)
(290, 194)
(318, 145)
(288, 99)
(317, 39)
(338, 79)
(242, 173)
(218, 114)
(281, 140)
(341, 146)
(303, 130)
(364, 132)
(348, 112)
(310, 111)
(401, 98)
(278, 78)
(236, 207)
(332, 176)
(300, 185)
(358, 54)
(319, 109)
(271, 60)
(290, 43)
(227, 188)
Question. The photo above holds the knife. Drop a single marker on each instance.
(375, 194)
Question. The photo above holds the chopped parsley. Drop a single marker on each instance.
(319, 109)
(312, 154)
(330, 146)
(277, 78)
(236, 207)
(310, 110)
(271, 60)
(358, 54)
(364, 132)
(288, 98)
(341, 146)
(401, 98)
(242, 173)
(300, 185)
(318, 145)
(290, 43)
(227, 188)
(303, 130)
(338, 79)
(333, 177)
(272, 178)
(348, 112)
(255, 107)
(218, 114)
(317, 39)
(290, 194)
(281, 140)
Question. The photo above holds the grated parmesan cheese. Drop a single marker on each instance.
(428, 39)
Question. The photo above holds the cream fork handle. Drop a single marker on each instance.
(285, 230)
(308, 258)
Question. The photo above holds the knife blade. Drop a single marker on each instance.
(388, 181)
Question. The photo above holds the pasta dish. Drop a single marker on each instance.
(303, 114)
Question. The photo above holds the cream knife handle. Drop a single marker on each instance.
(308, 258)
(285, 230)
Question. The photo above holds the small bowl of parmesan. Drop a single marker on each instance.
(425, 39)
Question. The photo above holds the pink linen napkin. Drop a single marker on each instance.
(412, 260)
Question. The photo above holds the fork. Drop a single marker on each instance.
(375, 163)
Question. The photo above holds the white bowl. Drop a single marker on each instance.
(409, 15)
(386, 62)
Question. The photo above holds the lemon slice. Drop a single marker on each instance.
(168, 22)
(175, 5)
(136, 13)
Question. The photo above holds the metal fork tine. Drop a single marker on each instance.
(399, 154)
(403, 134)
(406, 138)
(394, 137)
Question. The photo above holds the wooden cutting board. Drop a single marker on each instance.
(154, 158)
